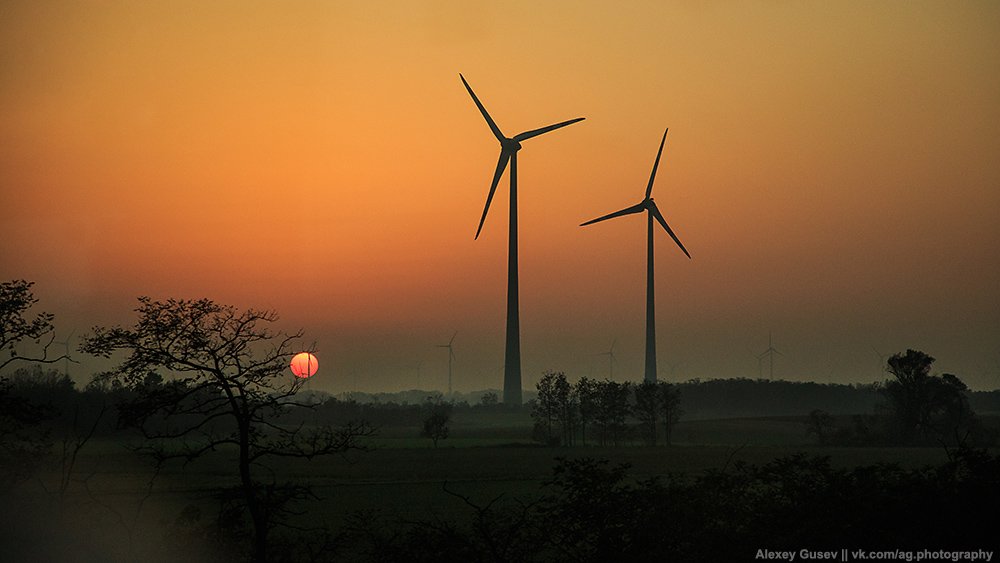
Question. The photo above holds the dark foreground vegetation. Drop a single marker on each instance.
(198, 447)
(592, 511)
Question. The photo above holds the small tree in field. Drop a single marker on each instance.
(670, 408)
(657, 402)
(647, 409)
(821, 423)
(611, 409)
(226, 386)
(586, 393)
(437, 420)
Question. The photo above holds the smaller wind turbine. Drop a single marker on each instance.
(611, 359)
(66, 359)
(652, 212)
(881, 359)
(451, 356)
(769, 354)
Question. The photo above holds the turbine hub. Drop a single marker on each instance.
(511, 145)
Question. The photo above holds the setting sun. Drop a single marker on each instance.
(304, 365)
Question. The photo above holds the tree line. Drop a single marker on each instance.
(563, 412)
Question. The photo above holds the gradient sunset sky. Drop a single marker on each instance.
(833, 168)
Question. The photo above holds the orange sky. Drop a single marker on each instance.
(832, 167)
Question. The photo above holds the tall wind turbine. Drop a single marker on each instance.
(769, 354)
(451, 356)
(508, 153)
(649, 206)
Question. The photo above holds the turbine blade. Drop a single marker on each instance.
(637, 208)
(777, 352)
(656, 164)
(493, 126)
(501, 166)
(536, 132)
(452, 338)
(656, 213)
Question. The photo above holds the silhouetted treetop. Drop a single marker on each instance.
(16, 326)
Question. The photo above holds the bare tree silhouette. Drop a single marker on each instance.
(226, 388)
(15, 327)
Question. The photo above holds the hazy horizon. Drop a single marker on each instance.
(831, 168)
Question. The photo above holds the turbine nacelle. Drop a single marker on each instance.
(510, 145)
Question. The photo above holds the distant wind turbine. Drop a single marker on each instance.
(66, 358)
(881, 359)
(769, 354)
(652, 212)
(508, 153)
(611, 359)
(451, 356)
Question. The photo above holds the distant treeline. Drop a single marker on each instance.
(700, 400)
(724, 398)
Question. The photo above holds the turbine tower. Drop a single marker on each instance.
(649, 206)
(451, 356)
(508, 153)
(769, 354)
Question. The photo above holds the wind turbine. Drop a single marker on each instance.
(769, 354)
(611, 359)
(649, 206)
(881, 359)
(451, 356)
(508, 153)
(66, 358)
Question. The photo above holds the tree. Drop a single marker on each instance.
(226, 387)
(586, 394)
(23, 444)
(822, 425)
(670, 408)
(15, 327)
(611, 409)
(923, 406)
(647, 408)
(545, 408)
(556, 403)
(566, 407)
(655, 403)
(489, 399)
(436, 421)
